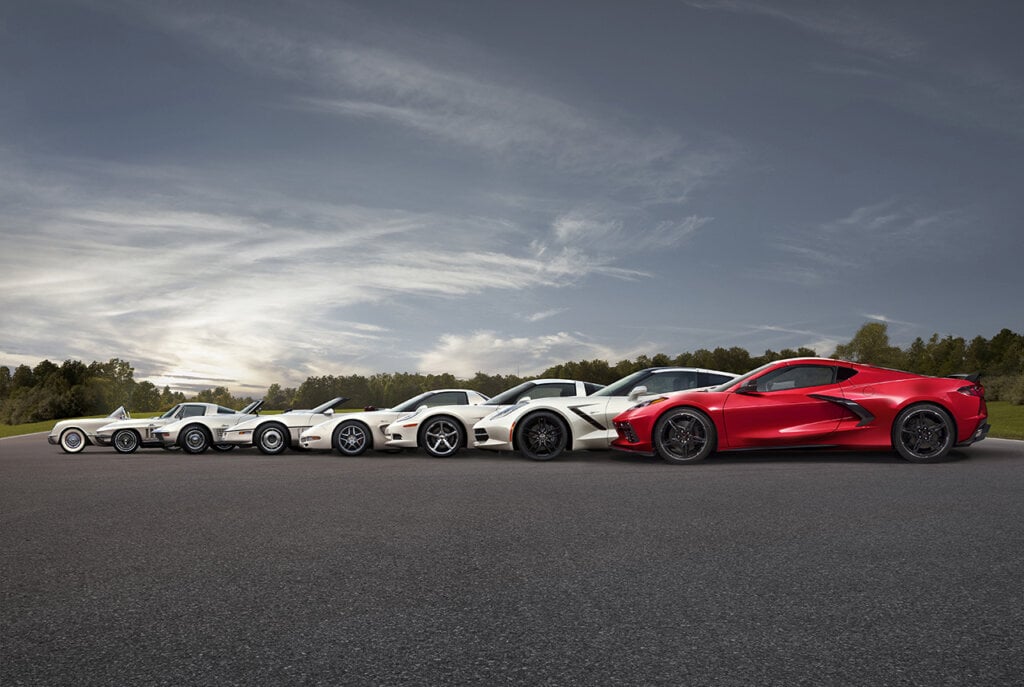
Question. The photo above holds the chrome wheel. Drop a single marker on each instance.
(441, 437)
(923, 433)
(194, 439)
(272, 439)
(684, 435)
(125, 441)
(72, 441)
(352, 438)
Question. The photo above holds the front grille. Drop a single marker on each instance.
(626, 430)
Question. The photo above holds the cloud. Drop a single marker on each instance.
(490, 351)
(543, 315)
(838, 21)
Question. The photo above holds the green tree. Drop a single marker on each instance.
(871, 345)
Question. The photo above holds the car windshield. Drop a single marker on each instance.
(171, 412)
(742, 378)
(624, 385)
(507, 398)
(413, 403)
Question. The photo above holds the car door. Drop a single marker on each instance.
(784, 407)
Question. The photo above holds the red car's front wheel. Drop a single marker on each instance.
(684, 435)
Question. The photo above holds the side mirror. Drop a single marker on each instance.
(329, 412)
(524, 399)
(748, 387)
(636, 393)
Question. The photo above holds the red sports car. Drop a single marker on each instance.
(811, 402)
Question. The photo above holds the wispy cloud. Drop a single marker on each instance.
(839, 21)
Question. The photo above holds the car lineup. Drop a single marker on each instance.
(352, 434)
(443, 431)
(542, 429)
(679, 414)
(128, 435)
(75, 434)
(272, 434)
(196, 433)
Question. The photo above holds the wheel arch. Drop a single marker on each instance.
(86, 439)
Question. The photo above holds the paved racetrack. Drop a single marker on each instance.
(598, 569)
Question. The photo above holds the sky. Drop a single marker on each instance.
(242, 193)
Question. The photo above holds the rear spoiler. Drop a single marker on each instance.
(974, 377)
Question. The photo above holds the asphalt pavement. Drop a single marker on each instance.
(787, 568)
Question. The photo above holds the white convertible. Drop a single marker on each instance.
(352, 434)
(542, 429)
(128, 435)
(442, 430)
(74, 435)
(272, 434)
(195, 434)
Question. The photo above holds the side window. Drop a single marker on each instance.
(709, 379)
(590, 387)
(221, 410)
(447, 398)
(844, 373)
(797, 377)
(553, 390)
(194, 411)
(667, 382)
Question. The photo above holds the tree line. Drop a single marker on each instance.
(49, 391)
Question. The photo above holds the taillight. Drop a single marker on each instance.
(972, 390)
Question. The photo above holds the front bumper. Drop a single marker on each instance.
(52, 439)
(103, 439)
(492, 440)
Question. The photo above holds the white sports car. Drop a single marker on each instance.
(354, 433)
(127, 436)
(74, 435)
(196, 433)
(272, 434)
(443, 430)
(543, 429)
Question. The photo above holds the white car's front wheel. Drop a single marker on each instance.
(352, 438)
(72, 440)
(194, 439)
(541, 436)
(441, 436)
(272, 439)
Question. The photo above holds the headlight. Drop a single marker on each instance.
(651, 402)
(409, 416)
(502, 413)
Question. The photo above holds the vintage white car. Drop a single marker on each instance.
(74, 435)
(542, 429)
(272, 434)
(352, 434)
(197, 433)
(443, 430)
(127, 436)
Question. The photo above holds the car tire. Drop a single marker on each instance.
(223, 448)
(541, 436)
(125, 441)
(352, 438)
(684, 435)
(194, 439)
(923, 433)
(272, 438)
(72, 440)
(442, 436)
